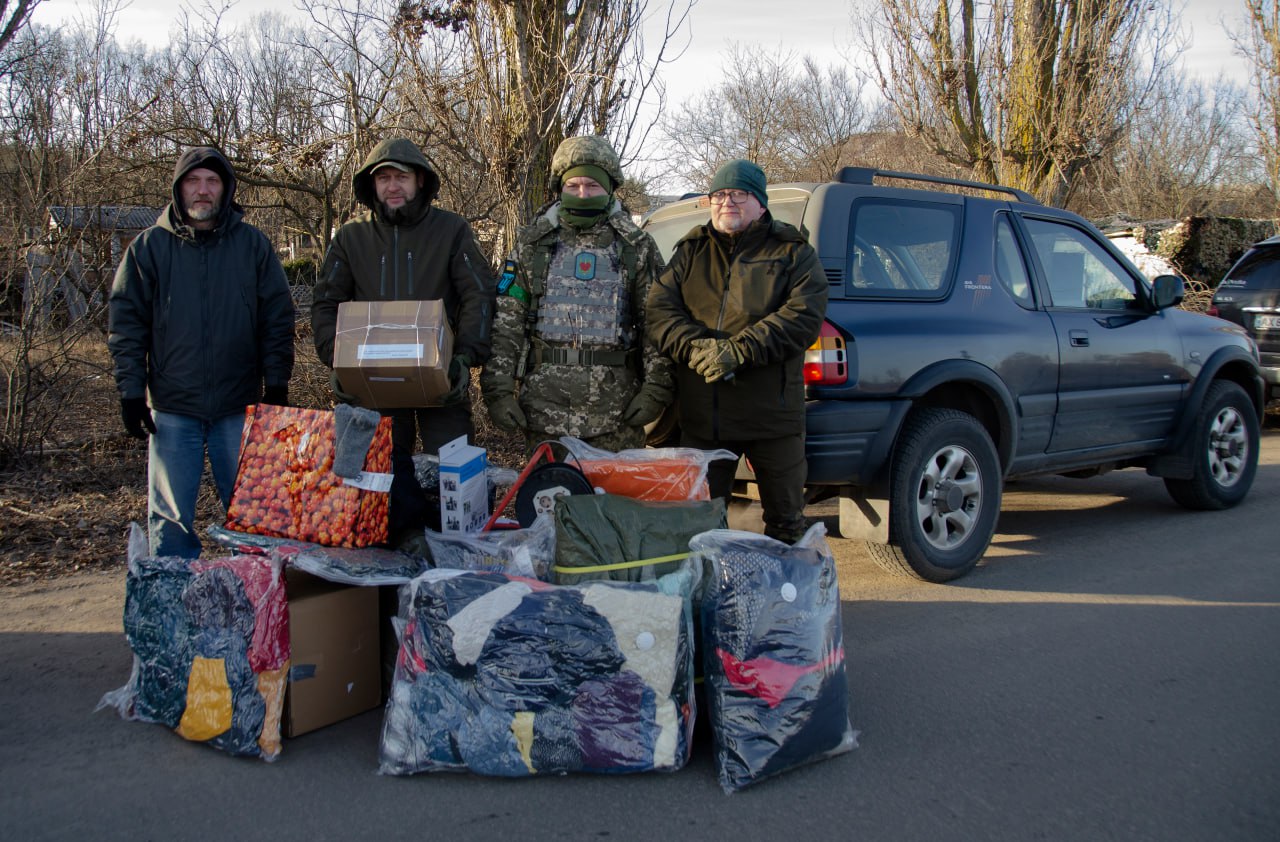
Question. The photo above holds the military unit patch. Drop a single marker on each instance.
(584, 266)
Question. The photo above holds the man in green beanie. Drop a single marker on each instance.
(569, 351)
(741, 300)
(407, 249)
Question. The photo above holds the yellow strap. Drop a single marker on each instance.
(622, 565)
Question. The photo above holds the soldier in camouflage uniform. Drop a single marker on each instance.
(570, 355)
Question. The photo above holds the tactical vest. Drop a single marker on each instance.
(580, 308)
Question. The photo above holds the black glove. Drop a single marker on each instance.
(506, 414)
(277, 395)
(336, 386)
(137, 417)
(459, 379)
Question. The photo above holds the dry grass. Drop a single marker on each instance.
(68, 508)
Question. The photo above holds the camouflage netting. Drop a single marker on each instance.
(1205, 247)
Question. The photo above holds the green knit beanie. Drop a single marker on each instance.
(741, 174)
(590, 171)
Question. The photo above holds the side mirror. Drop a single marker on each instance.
(1168, 291)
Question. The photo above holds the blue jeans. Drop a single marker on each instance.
(175, 465)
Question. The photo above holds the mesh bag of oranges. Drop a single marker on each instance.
(286, 487)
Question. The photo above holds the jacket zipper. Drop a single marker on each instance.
(382, 275)
(410, 261)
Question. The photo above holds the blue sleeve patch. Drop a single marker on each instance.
(508, 277)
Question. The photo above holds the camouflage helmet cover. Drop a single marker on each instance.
(588, 149)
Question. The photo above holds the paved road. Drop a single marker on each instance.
(1109, 672)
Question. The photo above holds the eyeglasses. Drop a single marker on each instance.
(736, 197)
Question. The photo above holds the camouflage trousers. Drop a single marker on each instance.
(622, 438)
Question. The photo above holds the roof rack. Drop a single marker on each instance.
(866, 175)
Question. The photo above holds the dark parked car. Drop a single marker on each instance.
(974, 335)
(1249, 295)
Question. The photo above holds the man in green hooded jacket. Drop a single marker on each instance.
(406, 249)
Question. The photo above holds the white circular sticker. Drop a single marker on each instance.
(644, 641)
(789, 592)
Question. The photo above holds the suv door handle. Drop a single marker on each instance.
(1079, 338)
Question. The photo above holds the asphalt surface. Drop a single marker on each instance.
(1110, 671)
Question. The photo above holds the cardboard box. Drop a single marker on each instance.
(285, 485)
(464, 487)
(393, 354)
(336, 663)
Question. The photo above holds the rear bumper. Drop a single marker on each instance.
(848, 442)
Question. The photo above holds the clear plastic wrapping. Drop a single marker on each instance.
(648, 473)
(365, 566)
(514, 677)
(772, 653)
(518, 552)
(210, 641)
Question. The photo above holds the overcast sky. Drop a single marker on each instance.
(820, 29)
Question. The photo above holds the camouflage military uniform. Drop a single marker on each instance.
(569, 333)
(583, 352)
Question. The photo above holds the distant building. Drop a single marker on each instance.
(70, 266)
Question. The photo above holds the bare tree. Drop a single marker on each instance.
(1188, 154)
(502, 82)
(798, 121)
(1024, 92)
(1259, 43)
(14, 17)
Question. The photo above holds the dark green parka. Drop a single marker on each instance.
(428, 254)
(765, 289)
(201, 320)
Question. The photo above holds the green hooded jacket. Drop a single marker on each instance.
(425, 253)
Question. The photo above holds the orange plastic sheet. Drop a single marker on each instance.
(653, 474)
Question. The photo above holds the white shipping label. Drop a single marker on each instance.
(403, 351)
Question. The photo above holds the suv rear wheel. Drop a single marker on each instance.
(944, 497)
(1225, 449)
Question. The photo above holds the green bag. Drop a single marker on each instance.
(606, 536)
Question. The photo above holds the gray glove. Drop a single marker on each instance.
(353, 429)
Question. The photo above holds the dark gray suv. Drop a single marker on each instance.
(1249, 295)
(974, 335)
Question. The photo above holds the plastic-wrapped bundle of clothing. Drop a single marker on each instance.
(519, 552)
(210, 641)
(363, 566)
(773, 654)
(511, 676)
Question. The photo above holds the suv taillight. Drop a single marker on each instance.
(825, 363)
(1213, 310)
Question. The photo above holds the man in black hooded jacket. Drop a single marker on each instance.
(202, 322)
(406, 249)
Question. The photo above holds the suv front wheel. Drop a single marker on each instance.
(944, 497)
(1224, 450)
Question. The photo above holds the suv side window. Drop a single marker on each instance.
(901, 249)
(1011, 270)
(1081, 274)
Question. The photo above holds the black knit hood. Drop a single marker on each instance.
(211, 159)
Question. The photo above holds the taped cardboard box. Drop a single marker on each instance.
(336, 668)
(393, 354)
